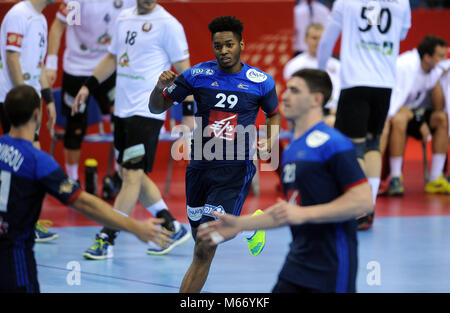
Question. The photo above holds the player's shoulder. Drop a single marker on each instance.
(127, 13)
(257, 76)
(19, 11)
(328, 139)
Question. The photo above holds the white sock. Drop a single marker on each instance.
(437, 166)
(374, 183)
(158, 206)
(72, 171)
(396, 166)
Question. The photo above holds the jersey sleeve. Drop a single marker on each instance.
(406, 23)
(55, 181)
(337, 12)
(269, 101)
(344, 165)
(15, 28)
(112, 48)
(175, 43)
(181, 87)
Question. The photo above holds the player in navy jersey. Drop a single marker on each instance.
(26, 175)
(325, 189)
(229, 95)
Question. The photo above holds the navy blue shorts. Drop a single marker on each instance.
(18, 272)
(222, 189)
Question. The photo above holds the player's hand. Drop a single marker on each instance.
(149, 231)
(51, 111)
(81, 98)
(166, 79)
(263, 149)
(285, 213)
(215, 232)
(51, 76)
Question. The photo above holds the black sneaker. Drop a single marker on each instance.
(365, 222)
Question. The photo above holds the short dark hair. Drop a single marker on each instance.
(20, 103)
(317, 81)
(226, 23)
(428, 45)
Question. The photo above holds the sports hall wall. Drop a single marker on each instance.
(268, 33)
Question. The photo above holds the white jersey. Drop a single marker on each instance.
(305, 60)
(23, 30)
(145, 46)
(412, 83)
(371, 35)
(304, 15)
(87, 43)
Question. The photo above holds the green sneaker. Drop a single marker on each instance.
(257, 241)
(42, 234)
(396, 186)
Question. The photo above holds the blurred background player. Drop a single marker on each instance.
(86, 45)
(26, 179)
(322, 209)
(371, 35)
(229, 95)
(308, 59)
(418, 72)
(307, 12)
(146, 41)
(23, 46)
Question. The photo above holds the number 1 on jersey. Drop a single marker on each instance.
(5, 184)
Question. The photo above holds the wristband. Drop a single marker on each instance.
(52, 62)
(188, 108)
(47, 95)
(92, 83)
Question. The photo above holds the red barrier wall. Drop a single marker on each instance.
(268, 31)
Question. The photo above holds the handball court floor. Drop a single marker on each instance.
(406, 250)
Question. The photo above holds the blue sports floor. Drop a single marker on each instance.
(411, 253)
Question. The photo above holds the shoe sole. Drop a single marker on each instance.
(170, 248)
(263, 245)
(94, 257)
(41, 240)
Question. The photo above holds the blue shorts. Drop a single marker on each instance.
(222, 189)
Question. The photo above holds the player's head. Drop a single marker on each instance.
(226, 35)
(145, 6)
(312, 37)
(307, 89)
(22, 105)
(432, 50)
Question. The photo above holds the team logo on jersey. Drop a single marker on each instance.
(104, 39)
(242, 86)
(222, 124)
(66, 187)
(26, 76)
(118, 4)
(124, 60)
(146, 27)
(209, 71)
(256, 76)
(388, 47)
(197, 71)
(14, 39)
(215, 84)
(316, 139)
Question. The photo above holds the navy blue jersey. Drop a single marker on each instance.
(319, 167)
(227, 107)
(26, 175)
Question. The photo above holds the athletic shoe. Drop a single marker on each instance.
(179, 237)
(257, 241)
(42, 234)
(365, 221)
(440, 185)
(396, 186)
(101, 249)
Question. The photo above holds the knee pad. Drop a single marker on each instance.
(373, 144)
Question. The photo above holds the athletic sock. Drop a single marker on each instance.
(396, 166)
(112, 234)
(72, 171)
(437, 166)
(374, 183)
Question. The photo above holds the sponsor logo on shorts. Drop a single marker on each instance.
(194, 214)
(208, 209)
(133, 152)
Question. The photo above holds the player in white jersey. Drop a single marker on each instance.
(23, 46)
(371, 35)
(307, 12)
(86, 45)
(308, 59)
(418, 72)
(146, 41)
